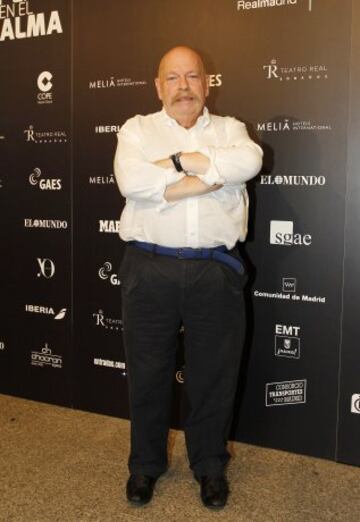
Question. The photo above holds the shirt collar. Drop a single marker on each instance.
(202, 121)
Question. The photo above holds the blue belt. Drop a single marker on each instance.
(219, 253)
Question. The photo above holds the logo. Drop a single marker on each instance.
(286, 125)
(102, 180)
(106, 129)
(111, 364)
(107, 322)
(18, 22)
(286, 392)
(45, 85)
(296, 181)
(259, 4)
(282, 233)
(45, 310)
(44, 184)
(46, 358)
(105, 273)
(109, 226)
(355, 403)
(47, 268)
(287, 341)
(288, 293)
(57, 136)
(180, 376)
(2, 346)
(56, 224)
(113, 83)
(274, 71)
(289, 284)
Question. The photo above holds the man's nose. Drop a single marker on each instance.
(183, 84)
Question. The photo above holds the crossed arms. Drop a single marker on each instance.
(210, 168)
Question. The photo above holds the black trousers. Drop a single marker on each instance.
(158, 294)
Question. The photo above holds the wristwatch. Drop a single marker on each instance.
(176, 161)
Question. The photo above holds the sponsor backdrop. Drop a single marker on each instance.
(73, 72)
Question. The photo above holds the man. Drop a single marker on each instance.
(183, 173)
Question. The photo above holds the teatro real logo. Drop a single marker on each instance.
(293, 180)
(45, 357)
(33, 136)
(294, 72)
(109, 226)
(45, 85)
(46, 310)
(44, 184)
(113, 83)
(259, 4)
(108, 323)
(56, 224)
(282, 233)
(105, 273)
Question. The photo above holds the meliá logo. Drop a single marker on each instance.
(286, 125)
(102, 180)
(282, 233)
(44, 184)
(109, 226)
(56, 224)
(293, 180)
(45, 310)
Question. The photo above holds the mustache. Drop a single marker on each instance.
(184, 94)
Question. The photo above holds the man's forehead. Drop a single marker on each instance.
(180, 57)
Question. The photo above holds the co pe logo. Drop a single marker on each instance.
(44, 81)
(45, 85)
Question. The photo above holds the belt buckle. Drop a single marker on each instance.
(180, 253)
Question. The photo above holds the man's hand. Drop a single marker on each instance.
(188, 187)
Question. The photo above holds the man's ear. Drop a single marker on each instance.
(158, 88)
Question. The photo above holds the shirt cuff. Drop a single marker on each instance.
(211, 176)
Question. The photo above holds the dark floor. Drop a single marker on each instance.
(58, 464)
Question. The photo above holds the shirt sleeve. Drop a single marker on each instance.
(137, 178)
(235, 163)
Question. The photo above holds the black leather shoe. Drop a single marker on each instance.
(214, 490)
(139, 489)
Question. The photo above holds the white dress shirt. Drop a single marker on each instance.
(209, 220)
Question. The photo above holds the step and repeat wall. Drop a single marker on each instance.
(72, 72)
